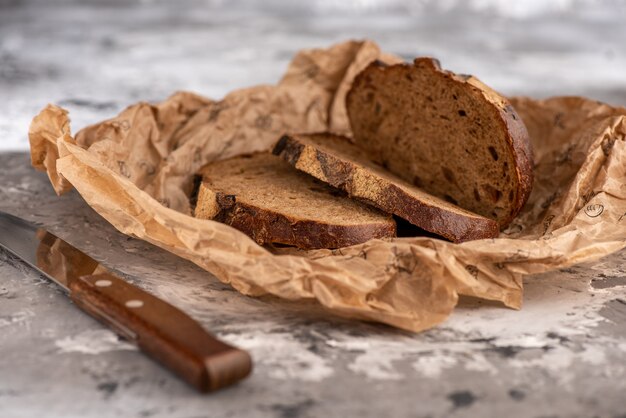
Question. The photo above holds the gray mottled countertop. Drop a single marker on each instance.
(562, 355)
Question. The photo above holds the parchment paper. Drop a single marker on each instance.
(136, 171)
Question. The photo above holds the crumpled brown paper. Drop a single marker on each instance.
(136, 171)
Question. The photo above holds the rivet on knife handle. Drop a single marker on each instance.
(162, 331)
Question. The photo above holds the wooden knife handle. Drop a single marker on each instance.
(162, 331)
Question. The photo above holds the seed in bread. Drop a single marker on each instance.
(267, 199)
(448, 134)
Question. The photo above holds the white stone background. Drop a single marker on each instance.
(96, 57)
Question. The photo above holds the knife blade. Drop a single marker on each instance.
(160, 330)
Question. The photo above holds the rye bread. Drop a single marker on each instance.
(340, 163)
(448, 134)
(267, 199)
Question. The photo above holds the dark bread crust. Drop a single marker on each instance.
(265, 225)
(517, 138)
(519, 143)
(363, 183)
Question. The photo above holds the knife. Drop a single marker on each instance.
(165, 333)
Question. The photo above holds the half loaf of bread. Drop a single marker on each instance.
(448, 134)
(267, 199)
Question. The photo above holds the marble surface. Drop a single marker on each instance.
(562, 355)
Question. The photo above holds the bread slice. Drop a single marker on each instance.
(448, 134)
(267, 199)
(338, 162)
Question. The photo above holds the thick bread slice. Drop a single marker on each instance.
(338, 162)
(267, 199)
(448, 134)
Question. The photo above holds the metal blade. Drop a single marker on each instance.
(49, 254)
(19, 237)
